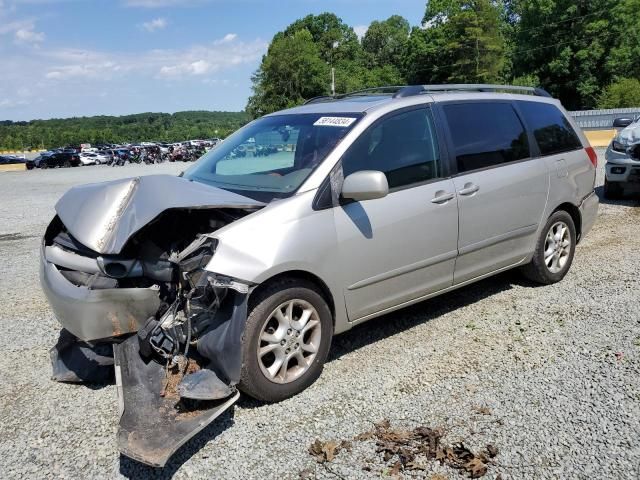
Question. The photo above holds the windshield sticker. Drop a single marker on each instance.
(334, 122)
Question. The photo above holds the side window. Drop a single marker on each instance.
(550, 127)
(404, 147)
(486, 134)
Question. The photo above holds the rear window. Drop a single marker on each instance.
(551, 129)
(486, 134)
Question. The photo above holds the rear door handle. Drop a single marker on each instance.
(442, 197)
(469, 189)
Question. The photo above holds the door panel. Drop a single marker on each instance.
(498, 223)
(397, 248)
(502, 192)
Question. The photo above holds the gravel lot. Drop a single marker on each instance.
(549, 375)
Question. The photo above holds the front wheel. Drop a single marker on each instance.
(286, 340)
(554, 250)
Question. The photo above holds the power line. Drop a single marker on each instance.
(579, 17)
(469, 62)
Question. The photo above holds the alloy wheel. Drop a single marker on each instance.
(289, 341)
(557, 247)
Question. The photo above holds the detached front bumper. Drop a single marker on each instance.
(96, 314)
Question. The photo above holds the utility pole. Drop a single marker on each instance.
(333, 70)
(333, 82)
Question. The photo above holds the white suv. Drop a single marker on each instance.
(622, 169)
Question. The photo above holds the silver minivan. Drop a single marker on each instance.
(237, 274)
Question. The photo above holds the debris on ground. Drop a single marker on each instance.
(482, 410)
(405, 450)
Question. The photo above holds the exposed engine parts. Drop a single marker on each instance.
(168, 255)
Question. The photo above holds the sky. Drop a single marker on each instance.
(63, 58)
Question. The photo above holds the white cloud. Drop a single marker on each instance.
(155, 24)
(199, 67)
(360, 30)
(28, 35)
(229, 37)
(197, 60)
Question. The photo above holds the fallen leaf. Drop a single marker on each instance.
(437, 476)
(492, 450)
(395, 470)
(324, 451)
(345, 445)
(364, 436)
(475, 467)
(482, 410)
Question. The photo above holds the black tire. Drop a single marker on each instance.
(538, 271)
(44, 164)
(66, 164)
(613, 190)
(253, 381)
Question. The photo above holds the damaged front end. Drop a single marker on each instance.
(169, 390)
(136, 279)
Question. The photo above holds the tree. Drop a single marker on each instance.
(624, 93)
(335, 39)
(291, 71)
(129, 128)
(624, 59)
(460, 42)
(566, 44)
(386, 41)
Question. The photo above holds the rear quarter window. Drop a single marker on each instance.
(551, 129)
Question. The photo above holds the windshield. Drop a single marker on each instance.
(272, 156)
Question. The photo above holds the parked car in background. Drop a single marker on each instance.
(11, 159)
(93, 158)
(622, 171)
(35, 162)
(61, 159)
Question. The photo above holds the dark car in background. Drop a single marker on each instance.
(61, 159)
(10, 159)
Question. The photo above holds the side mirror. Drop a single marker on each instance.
(623, 122)
(365, 185)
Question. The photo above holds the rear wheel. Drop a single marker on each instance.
(66, 164)
(286, 340)
(613, 190)
(554, 251)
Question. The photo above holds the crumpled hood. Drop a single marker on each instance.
(103, 216)
(631, 134)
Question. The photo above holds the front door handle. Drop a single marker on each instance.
(469, 189)
(442, 197)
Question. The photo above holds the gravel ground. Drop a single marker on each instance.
(549, 375)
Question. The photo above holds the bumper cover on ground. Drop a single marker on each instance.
(153, 427)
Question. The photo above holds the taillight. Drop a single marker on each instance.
(593, 156)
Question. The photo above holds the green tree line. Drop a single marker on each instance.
(584, 52)
(128, 128)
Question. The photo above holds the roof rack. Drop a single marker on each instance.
(398, 91)
(386, 90)
(413, 90)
